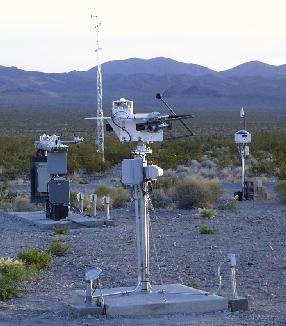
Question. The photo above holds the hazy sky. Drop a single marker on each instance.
(59, 35)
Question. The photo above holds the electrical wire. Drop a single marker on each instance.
(122, 128)
(168, 249)
(154, 244)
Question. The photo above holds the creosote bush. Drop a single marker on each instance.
(186, 192)
(12, 273)
(205, 212)
(192, 283)
(159, 198)
(63, 230)
(11, 201)
(228, 205)
(118, 196)
(58, 247)
(206, 229)
(22, 204)
(35, 257)
(280, 190)
(195, 192)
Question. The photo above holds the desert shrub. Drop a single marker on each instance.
(197, 192)
(104, 190)
(15, 162)
(10, 201)
(22, 204)
(280, 190)
(265, 167)
(39, 259)
(89, 209)
(166, 182)
(165, 158)
(3, 189)
(6, 206)
(159, 198)
(192, 283)
(228, 205)
(176, 152)
(63, 230)
(206, 229)
(73, 198)
(58, 247)
(119, 198)
(205, 212)
(115, 151)
(12, 273)
(281, 171)
(84, 157)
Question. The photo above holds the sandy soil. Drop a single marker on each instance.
(256, 232)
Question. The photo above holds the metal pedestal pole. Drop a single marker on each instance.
(142, 238)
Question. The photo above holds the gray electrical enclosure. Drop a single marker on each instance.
(43, 177)
(57, 162)
(132, 171)
(59, 191)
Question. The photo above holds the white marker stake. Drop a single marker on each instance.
(106, 203)
(93, 199)
(80, 198)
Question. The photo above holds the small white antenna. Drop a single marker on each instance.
(242, 113)
(100, 123)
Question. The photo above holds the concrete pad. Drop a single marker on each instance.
(166, 299)
(80, 220)
(38, 218)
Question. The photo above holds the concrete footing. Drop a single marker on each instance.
(238, 304)
(166, 299)
(38, 218)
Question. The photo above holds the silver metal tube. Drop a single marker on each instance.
(145, 243)
(233, 282)
(107, 210)
(138, 239)
(81, 206)
(94, 209)
(243, 175)
(88, 293)
(135, 289)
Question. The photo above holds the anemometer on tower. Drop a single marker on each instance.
(242, 138)
(48, 171)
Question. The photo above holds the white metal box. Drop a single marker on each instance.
(126, 131)
(132, 171)
(152, 172)
(242, 137)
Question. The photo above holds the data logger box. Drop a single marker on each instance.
(39, 179)
(57, 162)
(43, 177)
(59, 191)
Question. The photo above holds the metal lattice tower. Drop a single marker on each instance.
(99, 124)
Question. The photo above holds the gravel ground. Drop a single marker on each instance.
(255, 232)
